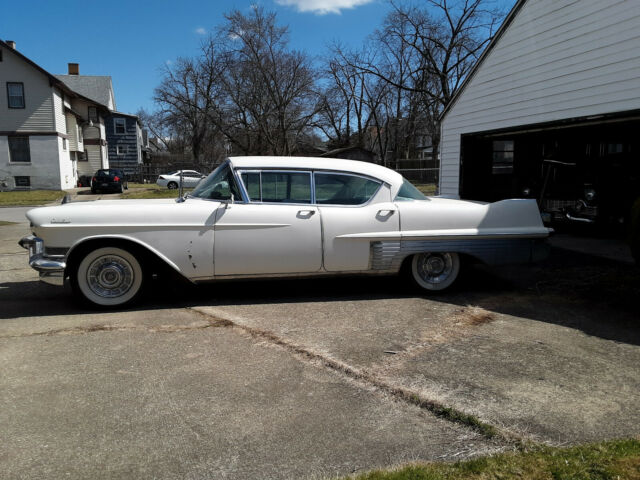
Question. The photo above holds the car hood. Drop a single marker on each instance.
(118, 212)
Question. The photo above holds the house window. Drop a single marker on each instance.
(64, 143)
(502, 157)
(15, 95)
(19, 150)
(93, 114)
(83, 156)
(22, 182)
(119, 126)
(121, 149)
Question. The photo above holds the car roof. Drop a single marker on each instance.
(313, 163)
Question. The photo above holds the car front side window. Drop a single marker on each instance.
(220, 185)
(341, 189)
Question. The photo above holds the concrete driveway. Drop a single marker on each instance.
(308, 379)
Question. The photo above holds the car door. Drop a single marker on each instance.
(355, 211)
(274, 230)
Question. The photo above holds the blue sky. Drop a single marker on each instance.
(131, 40)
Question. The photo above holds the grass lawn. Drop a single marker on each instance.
(150, 190)
(618, 459)
(30, 197)
(3, 223)
(426, 188)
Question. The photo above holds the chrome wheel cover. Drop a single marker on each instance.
(434, 268)
(110, 276)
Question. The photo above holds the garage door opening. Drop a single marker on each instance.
(582, 173)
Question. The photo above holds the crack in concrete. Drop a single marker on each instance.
(368, 379)
(122, 328)
(365, 378)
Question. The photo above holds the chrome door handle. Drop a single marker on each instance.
(306, 212)
(385, 213)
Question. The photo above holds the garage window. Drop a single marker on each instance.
(502, 157)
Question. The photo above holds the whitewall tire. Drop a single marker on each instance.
(109, 277)
(435, 270)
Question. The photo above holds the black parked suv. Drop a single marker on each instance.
(109, 179)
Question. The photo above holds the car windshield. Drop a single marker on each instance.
(220, 185)
(409, 192)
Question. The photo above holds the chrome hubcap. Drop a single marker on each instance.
(435, 267)
(110, 276)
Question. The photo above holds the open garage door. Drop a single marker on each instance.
(584, 171)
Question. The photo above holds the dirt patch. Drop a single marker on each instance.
(213, 323)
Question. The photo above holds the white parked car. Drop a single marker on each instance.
(278, 216)
(190, 178)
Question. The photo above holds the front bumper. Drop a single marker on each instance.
(50, 267)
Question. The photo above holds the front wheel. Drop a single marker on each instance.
(108, 277)
(434, 270)
(172, 185)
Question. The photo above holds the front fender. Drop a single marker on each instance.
(83, 241)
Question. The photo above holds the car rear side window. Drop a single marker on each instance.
(340, 189)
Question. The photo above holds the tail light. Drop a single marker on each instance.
(116, 178)
(93, 179)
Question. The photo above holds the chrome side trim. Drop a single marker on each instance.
(579, 219)
(388, 256)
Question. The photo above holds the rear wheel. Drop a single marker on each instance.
(435, 271)
(172, 185)
(108, 277)
(121, 188)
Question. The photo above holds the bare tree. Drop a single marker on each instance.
(269, 90)
(186, 96)
(424, 54)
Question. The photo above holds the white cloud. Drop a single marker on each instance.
(201, 31)
(322, 7)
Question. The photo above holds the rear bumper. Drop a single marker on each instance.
(50, 267)
(106, 185)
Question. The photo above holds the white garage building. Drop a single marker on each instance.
(560, 81)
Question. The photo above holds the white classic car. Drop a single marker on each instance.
(190, 178)
(278, 216)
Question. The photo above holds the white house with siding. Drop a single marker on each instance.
(560, 79)
(46, 137)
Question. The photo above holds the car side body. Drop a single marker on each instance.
(284, 216)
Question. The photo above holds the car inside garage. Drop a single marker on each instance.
(583, 171)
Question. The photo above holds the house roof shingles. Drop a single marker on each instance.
(94, 87)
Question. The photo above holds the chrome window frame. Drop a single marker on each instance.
(238, 171)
